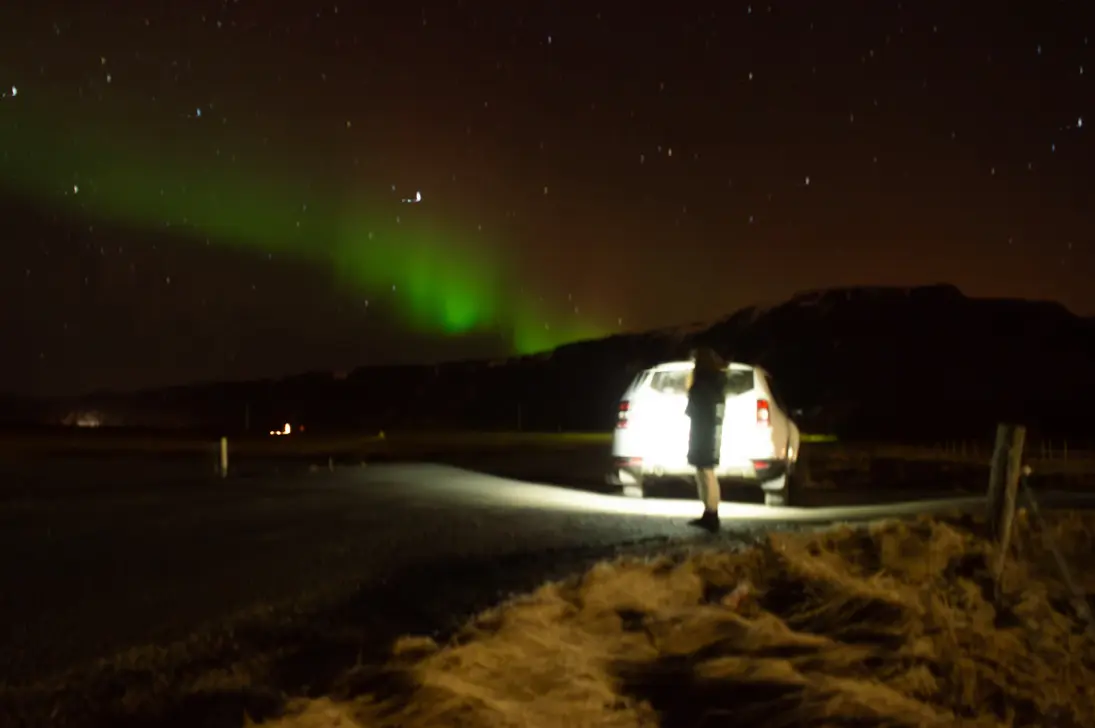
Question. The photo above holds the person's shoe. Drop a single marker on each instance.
(709, 521)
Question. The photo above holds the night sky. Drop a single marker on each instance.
(208, 190)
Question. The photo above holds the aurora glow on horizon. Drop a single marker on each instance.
(445, 282)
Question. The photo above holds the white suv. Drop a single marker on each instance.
(759, 440)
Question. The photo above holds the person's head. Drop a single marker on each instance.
(707, 360)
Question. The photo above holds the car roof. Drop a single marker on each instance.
(676, 366)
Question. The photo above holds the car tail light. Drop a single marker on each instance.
(621, 416)
(763, 413)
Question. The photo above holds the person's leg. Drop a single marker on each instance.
(712, 493)
(707, 486)
(701, 486)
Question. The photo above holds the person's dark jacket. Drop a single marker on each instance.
(706, 399)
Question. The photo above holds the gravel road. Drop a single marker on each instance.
(100, 556)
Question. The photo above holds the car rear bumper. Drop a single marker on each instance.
(631, 471)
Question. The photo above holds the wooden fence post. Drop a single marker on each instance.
(1007, 463)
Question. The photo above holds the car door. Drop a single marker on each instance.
(739, 422)
(666, 416)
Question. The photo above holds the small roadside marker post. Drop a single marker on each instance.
(224, 457)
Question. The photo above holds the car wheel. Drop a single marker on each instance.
(781, 491)
(632, 486)
(776, 498)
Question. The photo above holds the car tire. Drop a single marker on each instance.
(776, 498)
(630, 490)
(782, 492)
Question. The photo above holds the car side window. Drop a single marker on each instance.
(777, 393)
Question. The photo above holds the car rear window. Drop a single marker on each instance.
(676, 382)
(738, 381)
(670, 382)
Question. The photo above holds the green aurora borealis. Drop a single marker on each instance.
(145, 176)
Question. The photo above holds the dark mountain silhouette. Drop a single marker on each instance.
(924, 362)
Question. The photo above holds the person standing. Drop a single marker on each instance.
(706, 400)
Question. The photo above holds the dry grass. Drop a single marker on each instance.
(895, 625)
(861, 455)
